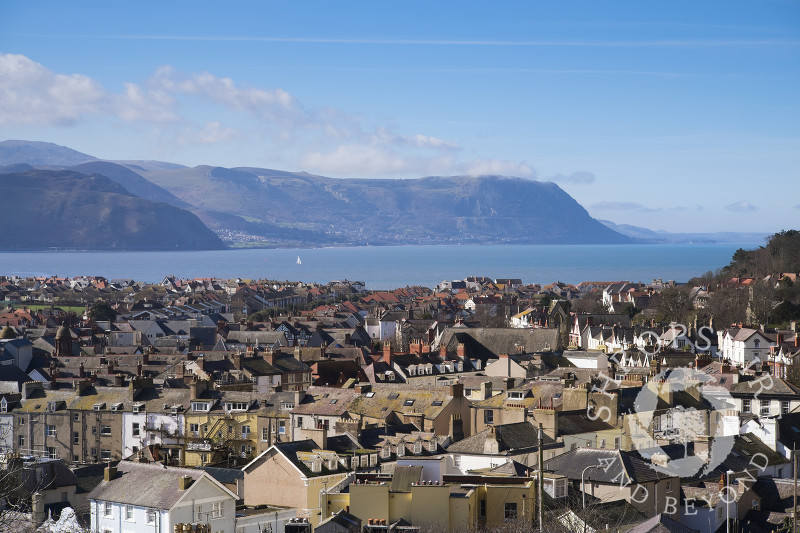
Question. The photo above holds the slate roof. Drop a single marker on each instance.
(223, 475)
(325, 401)
(612, 463)
(488, 343)
(162, 485)
(404, 476)
(511, 438)
(661, 523)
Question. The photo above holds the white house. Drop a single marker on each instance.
(742, 345)
(142, 498)
(141, 428)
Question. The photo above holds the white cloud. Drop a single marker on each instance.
(32, 94)
(581, 177)
(499, 167)
(211, 133)
(741, 207)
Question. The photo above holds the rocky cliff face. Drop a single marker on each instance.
(68, 210)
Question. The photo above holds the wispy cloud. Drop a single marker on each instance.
(743, 206)
(611, 205)
(661, 43)
(320, 139)
(581, 177)
(656, 43)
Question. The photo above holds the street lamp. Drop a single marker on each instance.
(727, 503)
(583, 492)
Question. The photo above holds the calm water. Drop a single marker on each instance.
(391, 266)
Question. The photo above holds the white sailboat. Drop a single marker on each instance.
(298, 260)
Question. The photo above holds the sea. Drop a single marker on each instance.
(388, 267)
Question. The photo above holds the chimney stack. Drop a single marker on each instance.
(185, 482)
(109, 472)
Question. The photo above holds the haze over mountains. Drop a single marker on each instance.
(276, 208)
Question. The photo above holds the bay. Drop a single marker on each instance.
(386, 267)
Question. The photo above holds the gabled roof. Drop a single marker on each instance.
(610, 463)
(511, 438)
(161, 484)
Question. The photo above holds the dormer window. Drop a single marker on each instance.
(3, 405)
(236, 406)
(173, 410)
(386, 452)
(417, 447)
(116, 407)
(98, 406)
(138, 408)
(432, 445)
(515, 395)
(201, 406)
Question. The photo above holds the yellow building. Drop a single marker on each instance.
(295, 474)
(460, 503)
(220, 426)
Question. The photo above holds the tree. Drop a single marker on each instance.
(726, 305)
(674, 303)
(101, 310)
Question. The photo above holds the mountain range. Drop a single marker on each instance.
(267, 207)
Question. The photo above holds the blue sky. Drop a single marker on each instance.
(681, 116)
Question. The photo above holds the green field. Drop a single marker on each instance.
(77, 309)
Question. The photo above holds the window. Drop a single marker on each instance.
(201, 406)
(784, 407)
(245, 432)
(21, 441)
(285, 406)
(482, 509)
(764, 407)
(756, 343)
(51, 452)
(282, 427)
(511, 511)
(129, 512)
(136, 429)
(194, 428)
(216, 510)
(755, 504)
(409, 402)
(669, 485)
(236, 406)
(488, 416)
(417, 447)
(49, 431)
(151, 516)
(299, 421)
(746, 406)
(602, 443)
(105, 455)
(21, 421)
(265, 433)
(108, 509)
(76, 437)
(616, 443)
(76, 417)
(334, 400)
(105, 430)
